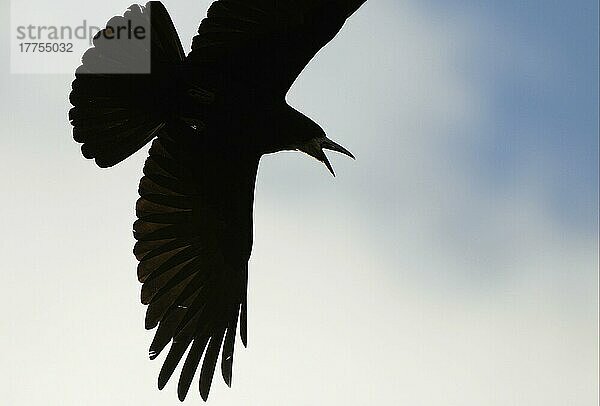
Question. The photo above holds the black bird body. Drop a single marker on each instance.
(212, 115)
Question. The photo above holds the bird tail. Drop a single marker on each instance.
(121, 92)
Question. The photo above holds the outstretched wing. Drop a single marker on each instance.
(265, 44)
(194, 237)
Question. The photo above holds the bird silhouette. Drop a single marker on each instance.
(211, 115)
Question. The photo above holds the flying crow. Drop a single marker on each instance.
(212, 114)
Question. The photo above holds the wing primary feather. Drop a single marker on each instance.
(210, 361)
(173, 357)
(190, 366)
(228, 346)
(244, 320)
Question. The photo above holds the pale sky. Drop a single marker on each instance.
(453, 263)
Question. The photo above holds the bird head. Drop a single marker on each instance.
(303, 134)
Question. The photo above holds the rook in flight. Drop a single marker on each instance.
(212, 114)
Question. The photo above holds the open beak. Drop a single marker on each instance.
(316, 147)
(332, 146)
